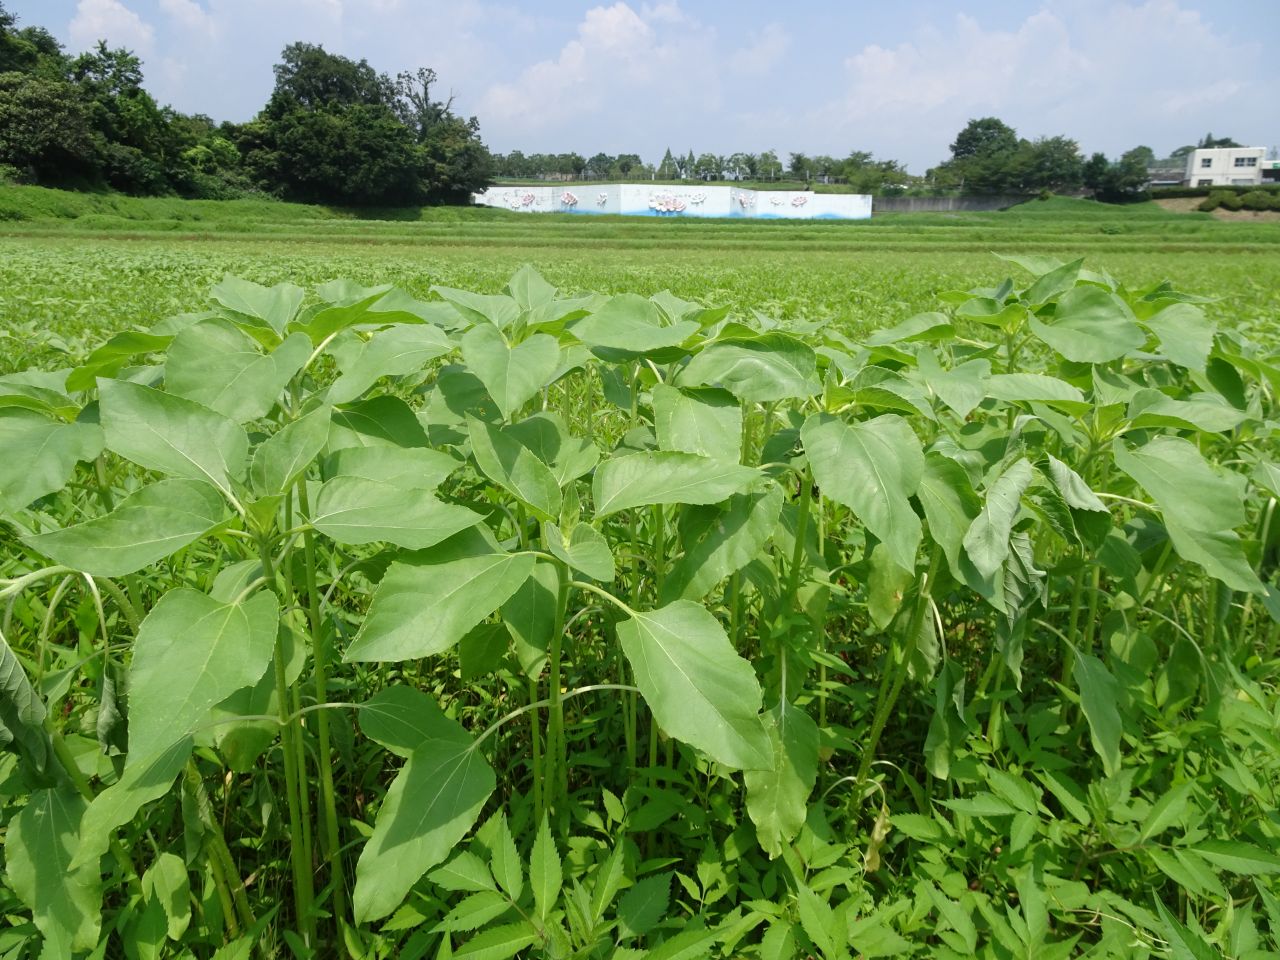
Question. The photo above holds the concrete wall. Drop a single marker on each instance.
(692, 200)
(1219, 166)
(943, 204)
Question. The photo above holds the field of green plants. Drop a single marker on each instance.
(771, 593)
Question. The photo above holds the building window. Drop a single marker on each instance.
(1246, 161)
(1204, 183)
(1206, 162)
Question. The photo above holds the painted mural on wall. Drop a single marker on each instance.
(651, 200)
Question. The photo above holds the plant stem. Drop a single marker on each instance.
(220, 854)
(557, 777)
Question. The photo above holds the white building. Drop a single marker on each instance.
(1225, 167)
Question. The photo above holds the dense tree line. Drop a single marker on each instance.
(333, 131)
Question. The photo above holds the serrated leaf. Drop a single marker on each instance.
(1239, 857)
(1184, 944)
(146, 526)
(644, 905)
(507, 869)
(699, 689)
(656, 477)
(546, 875)
(431, 804)
(872, 467)
(585, 550)
(498, 943)
(465, 872)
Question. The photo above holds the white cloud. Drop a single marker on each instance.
(190, 15)
(1108, 74)
(112, 21)
(648, 73)
(768, 46)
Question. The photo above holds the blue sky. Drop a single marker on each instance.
(898, 79)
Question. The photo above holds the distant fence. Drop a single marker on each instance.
(941, 204)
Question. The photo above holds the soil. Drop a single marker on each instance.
(1192, 204)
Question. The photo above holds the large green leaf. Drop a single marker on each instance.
(777, 799)
(65, 901)
(721, 539)
(38, 455)
(950, 506)
(872, 467)
(112, 357)
(544, 433)
(650, 477)
(410, 468)
(22, 713)
(146, 526)
(270, 307)
(987, 539)
(631, 323)
(1199, 505)
(380, 421)
(707, 422)
(699, 689)
(355, 510)
(1090, 325)
(216, 364)
(529, 617)
(394, 352)
(192, 652)
(512, 375)
(1035, 386)
(510, 464)
(1202, 411)
(171, 434)
(585, 549)
(432, 803)
(286, 454)
(529, 289)
(422, 608)
(498, 309)
(1185, 334)
(1240, 858)
(773, 366)
(1099, 694)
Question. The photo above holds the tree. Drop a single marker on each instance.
(1094, 173)
(452, 162)
(1209, 143)
(311, 78)
(668, 168)
(599, 166)
(1145, 154)
(983, 138)
(708, 167)
(45, 130)
(627, 164)
(1050, 163)
(1121, 182)
(800, 166)
(769, 166)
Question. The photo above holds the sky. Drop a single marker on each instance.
(625, 76)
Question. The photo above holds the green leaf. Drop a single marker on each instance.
(422, 608)
(22, 713)
(1184, 944)
(474, 912)
(146, 526)
(144, 779)
(1026, 387)
(981, 804)
(923, 326)
(777, 798)
(410, 468)
(546, 875)
(286, 454)
(1198, 504)
(639, 479)
(643, 906)
(961, 387)
(432, 803)
(545, 434)
(112, 357)
(1074, 490)
(685, 945)
(950, 506)
(720, 540)
(529, 616)
(1099, 694)
(819, 922)
(703, 421)
(271, 307)
(507, 869)
(167, 882)
(872, 467)
(699, 689)
(773, 366)
(192, 652)
(987, 540)
(499, 309)
(498, 943)
(585, 550)
(1202, 411)
(528, 288)
(354, 510)
(39, 455)
(1167, 810)
(513, 466)
(1054, 283)
(1238, 857)
(631, 323)
(465, 872)
(381, 421)
(65, 900)
(394, 352)
(1185, 335)
(216, 364)
(171, 434)
(512, 375)
(1090, 325)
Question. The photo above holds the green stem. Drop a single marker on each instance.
(557, 778)
(535, 740)
(320, 655)
(220, 853)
